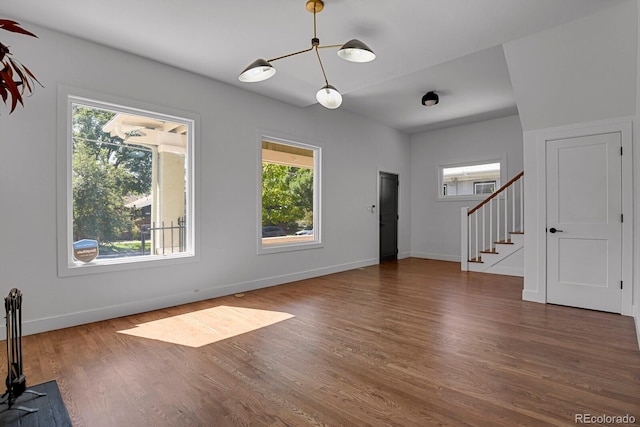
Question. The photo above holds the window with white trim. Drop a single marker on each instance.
(289, 207)
(470, 180)
(484, 187)
(129, 186)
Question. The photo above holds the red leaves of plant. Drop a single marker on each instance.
(14, 27)
(13, 69)
(6, 74)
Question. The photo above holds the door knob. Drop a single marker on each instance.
(554, 230)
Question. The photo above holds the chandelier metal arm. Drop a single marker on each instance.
(304, 51)
(315, 42)
(322, 67)
(291, 54)
(315, 25)
(329, 45)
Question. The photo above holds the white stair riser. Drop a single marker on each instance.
(508, 260)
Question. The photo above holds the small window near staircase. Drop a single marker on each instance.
(471, 180)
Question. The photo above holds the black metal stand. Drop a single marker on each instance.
(16, 381)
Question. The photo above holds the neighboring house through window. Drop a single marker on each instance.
(484, 187)
(470, 180)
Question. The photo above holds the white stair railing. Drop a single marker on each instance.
(481, 230)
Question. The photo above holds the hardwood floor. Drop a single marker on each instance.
(408, 343)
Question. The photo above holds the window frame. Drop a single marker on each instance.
(317, 241)
(477, 183)
(440, 181)
(67, 266)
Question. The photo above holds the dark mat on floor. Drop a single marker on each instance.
(51, 409)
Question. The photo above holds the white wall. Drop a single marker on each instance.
(636, 186)
(435, 224)
(354, 149)
(581, 73)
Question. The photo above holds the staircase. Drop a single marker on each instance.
(492, 233)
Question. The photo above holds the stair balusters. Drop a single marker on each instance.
(481, 230)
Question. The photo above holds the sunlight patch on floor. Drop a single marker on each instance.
(207, 326)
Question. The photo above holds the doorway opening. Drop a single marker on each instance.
(388, 211)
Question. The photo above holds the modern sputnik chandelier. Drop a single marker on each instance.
(328, 96)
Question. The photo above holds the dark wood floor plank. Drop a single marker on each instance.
(407, 343)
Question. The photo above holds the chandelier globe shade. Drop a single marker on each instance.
(356, 51)
(329, 97)
(259, 70)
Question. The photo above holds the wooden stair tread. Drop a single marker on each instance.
(478, 260)
(493, 251)
(516, 232)
(504, 242)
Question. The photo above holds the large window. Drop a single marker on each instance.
(289, 197)
(128, 183)
(470, 180)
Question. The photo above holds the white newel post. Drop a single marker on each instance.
(464, 239)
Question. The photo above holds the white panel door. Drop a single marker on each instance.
(584, 224)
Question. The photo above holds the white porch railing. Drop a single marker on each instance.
(492, 221)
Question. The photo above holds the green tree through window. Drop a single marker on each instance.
(104, 174)
(99, 210)
(287, 195)
(112, 170)
(290, 199)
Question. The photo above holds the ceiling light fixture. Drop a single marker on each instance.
(430, 99)
(328, 96)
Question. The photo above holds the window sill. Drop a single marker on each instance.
(123, 264)
(264, 249)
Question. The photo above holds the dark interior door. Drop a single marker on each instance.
(388, 216)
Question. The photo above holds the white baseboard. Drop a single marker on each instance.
(505, 271)
(103, 313)
(532, 296)
(436, 256)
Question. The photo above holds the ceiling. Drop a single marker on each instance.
(450, 46)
